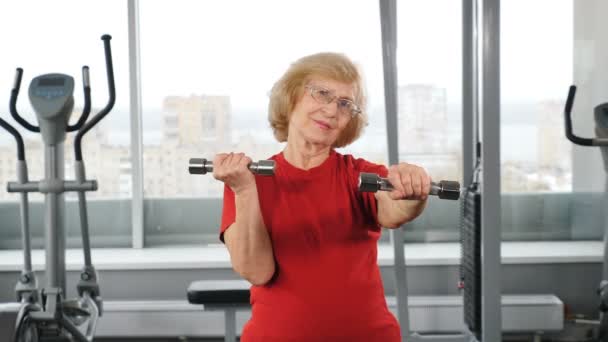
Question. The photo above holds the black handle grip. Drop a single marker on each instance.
(13, 104)
(568, 120)
(570, 99)
(18, 138)
(86, 85)
(112, 99)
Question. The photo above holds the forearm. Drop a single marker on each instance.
(249, 242)
(394, 213)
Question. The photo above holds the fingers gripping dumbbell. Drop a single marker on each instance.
(371, 182)
(200, 166)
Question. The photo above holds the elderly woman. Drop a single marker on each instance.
(306, 238)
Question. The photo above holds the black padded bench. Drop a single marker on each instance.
(226, 295)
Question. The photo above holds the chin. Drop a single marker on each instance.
(321, 140)
(314, 136)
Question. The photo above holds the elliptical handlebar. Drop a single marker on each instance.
(80, 125)
(13, 103)
(18, 138)
(87, 101)
(8, 127)
(568, 121)
(112, 98)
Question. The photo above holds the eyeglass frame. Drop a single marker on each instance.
(355, 108)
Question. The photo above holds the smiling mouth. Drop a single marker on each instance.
(322, 125)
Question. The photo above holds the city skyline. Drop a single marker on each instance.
(189, 55)
(202, 125)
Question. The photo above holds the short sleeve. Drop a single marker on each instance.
(368, 199)
(228, 211)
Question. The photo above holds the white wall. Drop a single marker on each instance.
(590, 58)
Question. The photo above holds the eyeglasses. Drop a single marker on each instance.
(325, 96)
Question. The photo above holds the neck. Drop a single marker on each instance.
(305, 155)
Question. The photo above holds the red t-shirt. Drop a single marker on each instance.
(324, 233)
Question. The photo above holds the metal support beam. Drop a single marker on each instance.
(490, 184)
(137, 204)
(469, 98)
(388, 23)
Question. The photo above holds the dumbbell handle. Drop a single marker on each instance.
(200, 166)
(371, 182)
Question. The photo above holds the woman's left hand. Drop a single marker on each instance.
(409, 182)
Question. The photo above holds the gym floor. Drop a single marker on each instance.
(179, 339)
(188, 339)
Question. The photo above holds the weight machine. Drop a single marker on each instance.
(481, 198)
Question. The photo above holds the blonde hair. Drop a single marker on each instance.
(289, 89)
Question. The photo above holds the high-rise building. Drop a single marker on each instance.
(554, 150)
(197, 120)
(106, 162)
(423, 119)
(193, 126)
(423, 131)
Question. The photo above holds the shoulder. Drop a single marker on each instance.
(354, 164)
(275, 156)
(277, 159)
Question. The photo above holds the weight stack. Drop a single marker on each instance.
(471, 258)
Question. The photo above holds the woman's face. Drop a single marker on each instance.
(322, 112)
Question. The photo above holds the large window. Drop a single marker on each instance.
(536, 70)
(429, 63)
(550, 188)
(207, 68)
(61, 37)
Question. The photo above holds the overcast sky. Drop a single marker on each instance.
(241, 47)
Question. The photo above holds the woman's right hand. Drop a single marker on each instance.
(233, 170)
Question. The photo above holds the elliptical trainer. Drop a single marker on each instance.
(601, 140)
(45, 314)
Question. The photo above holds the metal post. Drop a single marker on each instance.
(137, 203)
(470, 104)
(469, 110)
(388, 22)
(25, 219)
(55, 219)
(230, 324)
(82, 209)
(490, 185)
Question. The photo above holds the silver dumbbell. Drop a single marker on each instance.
(200, 166)
(371, 182)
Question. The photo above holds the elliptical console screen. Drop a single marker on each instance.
(51, 82)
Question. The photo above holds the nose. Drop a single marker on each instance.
(331, 109)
